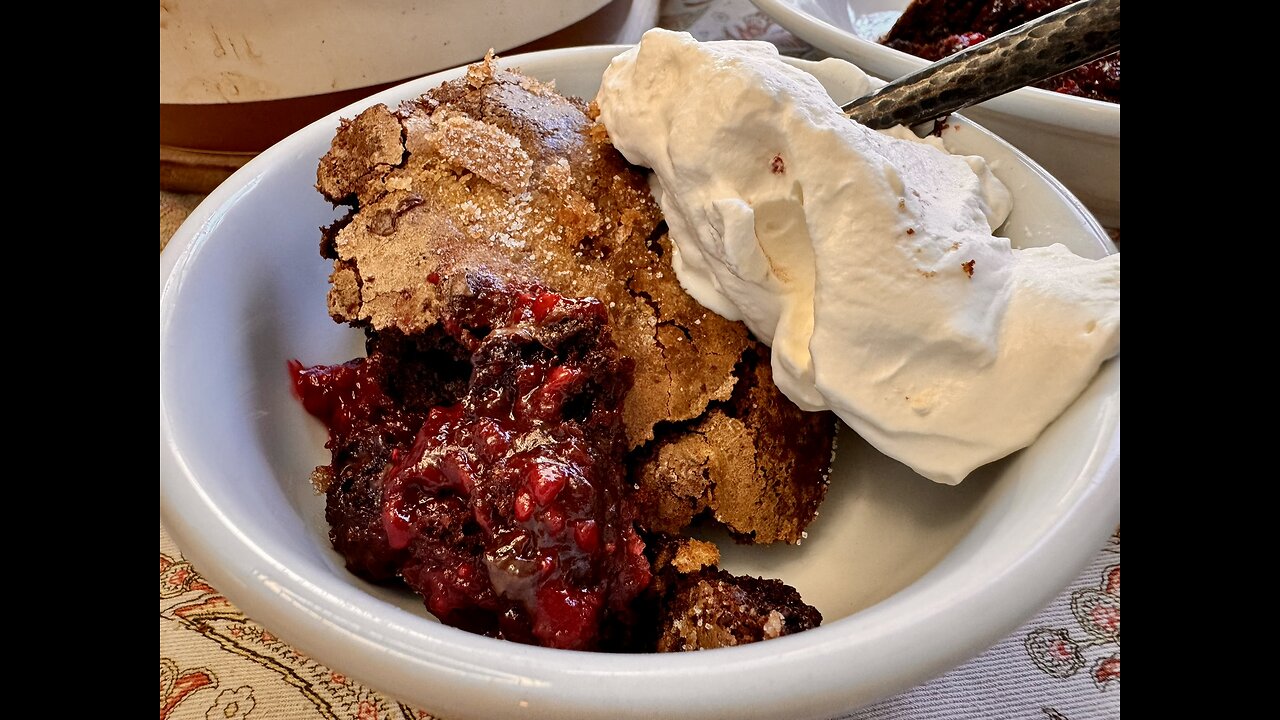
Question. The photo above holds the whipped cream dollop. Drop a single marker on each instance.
(866, 259)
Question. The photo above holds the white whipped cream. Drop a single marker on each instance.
(865, 259)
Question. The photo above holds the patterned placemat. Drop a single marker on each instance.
(215, 663)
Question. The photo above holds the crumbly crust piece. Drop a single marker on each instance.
(934, 29)
(700, 607)
(716, 609)
(685, 555)
(757, 463)
(363, 152)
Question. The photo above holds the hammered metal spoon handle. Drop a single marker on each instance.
(1034, 51)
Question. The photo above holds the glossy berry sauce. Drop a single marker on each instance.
(506, 509)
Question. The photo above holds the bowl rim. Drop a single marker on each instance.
(1085, 115)
(455, 672)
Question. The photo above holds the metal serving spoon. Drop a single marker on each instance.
(1034, 51)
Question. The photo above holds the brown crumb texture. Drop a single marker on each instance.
(684, 555)
(484, 149)
(497, 170)
(363, 151)
(713, 609)
(758, 463)
(321, 478)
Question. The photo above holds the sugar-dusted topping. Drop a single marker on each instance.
(481, 72)
(517, 175)
(484, 149)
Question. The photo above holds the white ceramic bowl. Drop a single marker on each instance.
(912, 577)
(1076, 139)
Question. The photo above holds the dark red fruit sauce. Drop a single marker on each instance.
(483, 464)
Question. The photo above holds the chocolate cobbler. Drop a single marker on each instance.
(542, 411)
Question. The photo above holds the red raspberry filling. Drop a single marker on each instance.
(507, 510)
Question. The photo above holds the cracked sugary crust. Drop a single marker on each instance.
(497, 170)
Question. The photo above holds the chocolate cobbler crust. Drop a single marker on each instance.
(499, 171)
(700, 607)
(542, 407)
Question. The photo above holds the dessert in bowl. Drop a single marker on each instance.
(242, 291)
(1076, 138)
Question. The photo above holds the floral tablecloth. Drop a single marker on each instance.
(216, 664)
